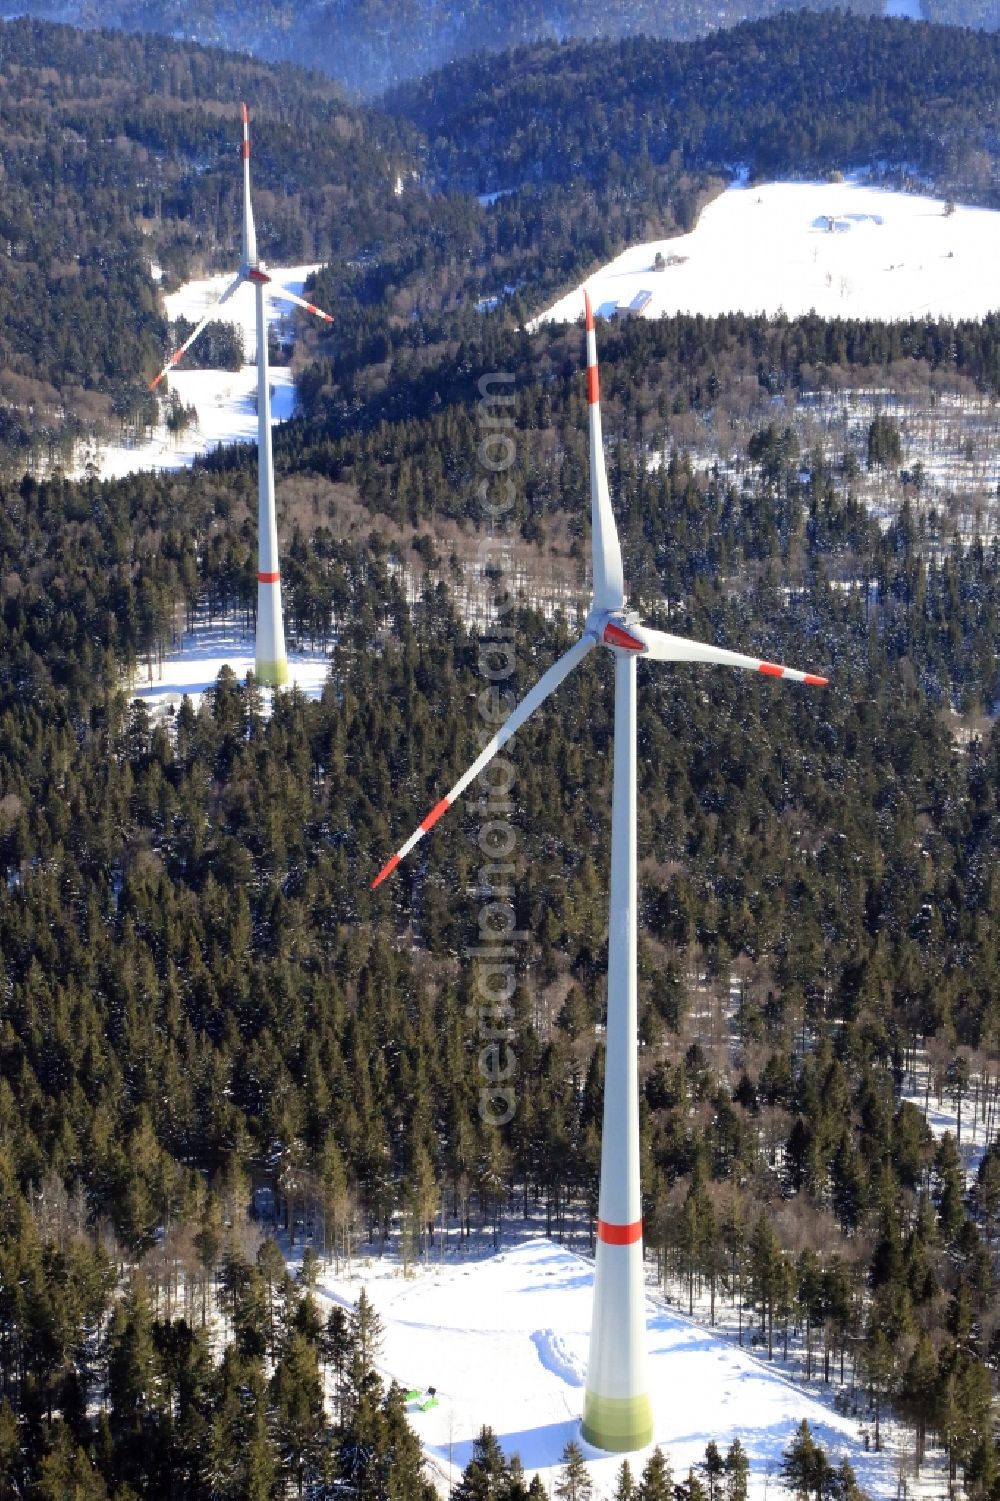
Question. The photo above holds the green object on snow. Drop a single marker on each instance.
(413, 1394)
(426, 1406)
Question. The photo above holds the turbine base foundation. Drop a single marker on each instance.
(617, 1424)
(272, 674)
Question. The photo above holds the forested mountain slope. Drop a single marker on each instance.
(371, 45)
(794, 95)
(121, 150)
(198, 991)
(199, 988)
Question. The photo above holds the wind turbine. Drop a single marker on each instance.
(617, 1415)
(271, 662)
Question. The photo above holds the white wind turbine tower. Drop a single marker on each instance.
(617, 1415)
(271, 661)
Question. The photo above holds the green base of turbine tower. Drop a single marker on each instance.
(272, 674)
(617, 1424)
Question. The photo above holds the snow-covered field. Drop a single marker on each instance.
(205, 651)
(224, 400)
(842, 249)
(504, 1341)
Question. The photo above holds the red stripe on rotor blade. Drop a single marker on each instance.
(255, 274)
(619, 1235)
(771, 670)
(588, 312)
(615, 636)
(269, 578)
(245, 113)
(814, 681)
(387, 870)
(435, 814)
(593, 385)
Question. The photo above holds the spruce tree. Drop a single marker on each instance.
(713, 1468)
(297, 1403)
(486, 1473)
(737, 1467)
(657, 1482)
(574, 1482)
(626, 1488)
(66, 1473)
(366, 1331)
(695, 1489)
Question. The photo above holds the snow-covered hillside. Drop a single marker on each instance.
(845, 250)
(202, 653)
(504, 1341)
(224, 400)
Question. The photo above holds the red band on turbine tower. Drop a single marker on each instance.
(269, 578)
(619, 1235)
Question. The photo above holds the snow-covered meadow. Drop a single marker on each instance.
(225, 401)
(842, 249)
(504, 1341)
(203, 652)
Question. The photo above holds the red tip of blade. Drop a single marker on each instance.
(816, 682)
(155, 381)
(771, 670)
(435, 814)
(387, 870)
(588, 310)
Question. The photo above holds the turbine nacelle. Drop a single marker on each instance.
(617, 629)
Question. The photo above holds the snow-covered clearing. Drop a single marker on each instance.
(504, 1341)
(202, 654)
(225, 401)
(842, 249)
(938, 1105)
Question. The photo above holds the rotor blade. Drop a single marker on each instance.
(658, 646)
(530, 702)
(277, 290)
(249, 232)
(179, 353)
(609, 583)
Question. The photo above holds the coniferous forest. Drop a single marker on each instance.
(371, 46)
(199, 995)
